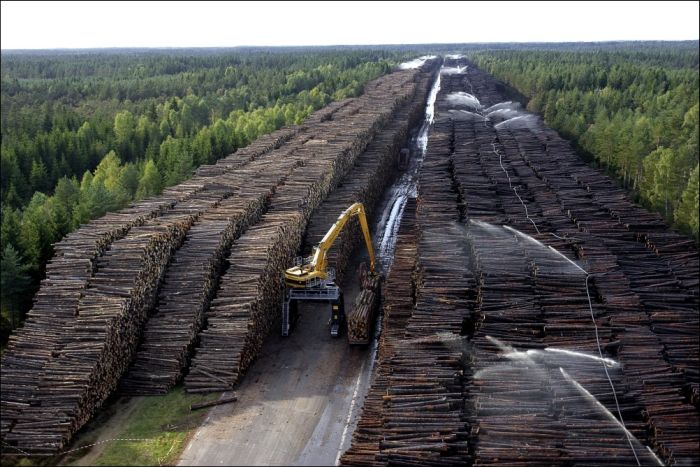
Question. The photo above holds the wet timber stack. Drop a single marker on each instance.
(129, 296)
(489, 352)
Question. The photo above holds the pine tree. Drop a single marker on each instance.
(687, 213)
(14, 280)
(150, 182)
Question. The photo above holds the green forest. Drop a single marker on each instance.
(84, 133)
(633, 109)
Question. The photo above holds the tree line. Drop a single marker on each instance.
(87, 133)
(633, 109)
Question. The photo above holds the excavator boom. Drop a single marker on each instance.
(308, 273)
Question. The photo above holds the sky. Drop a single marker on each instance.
(48, 25)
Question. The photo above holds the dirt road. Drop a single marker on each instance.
(294, 405)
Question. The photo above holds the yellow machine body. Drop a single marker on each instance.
(309, 274)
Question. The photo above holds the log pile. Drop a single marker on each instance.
(423, 407)
(193, 277)
(32, 347)
(260, 147)
(488, 350)
(399, 294)
(365, 182)
(248, 299)
(97, 346)
(399, 290)
(580, 202)
(239, 316)
(188, 287)
(422, 418)
(419, 419)
(528, 346)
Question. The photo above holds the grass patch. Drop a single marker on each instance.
(165, 421)
(162, 423)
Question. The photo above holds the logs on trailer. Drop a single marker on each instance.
(528, 374)
(361, 317)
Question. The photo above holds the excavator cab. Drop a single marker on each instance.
(304, 275)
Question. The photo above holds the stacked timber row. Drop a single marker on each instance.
(238, 317)
(423, 415)
(366, 181)
(414, 413)
(651, 294)
(559, 203)
(248, 299)
(620, 260)
(33, 346)
(193, 278)
(554, 317)
(260, 147)
(532, 373)
(565, 197)
(189, 283)
(38, 342)
(107, 275)
(398, 292)
(99, 342)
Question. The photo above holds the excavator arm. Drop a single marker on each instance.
(303, 275)
(357, 209)
(311, 280)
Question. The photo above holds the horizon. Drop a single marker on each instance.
(330, 46)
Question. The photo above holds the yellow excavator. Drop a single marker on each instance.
(312, 279)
